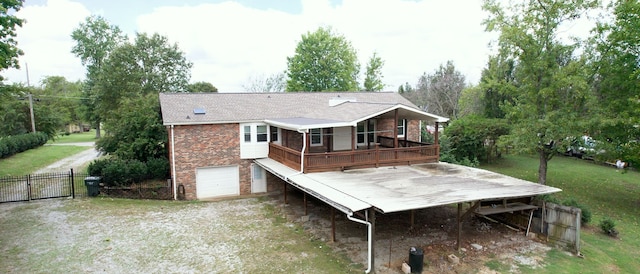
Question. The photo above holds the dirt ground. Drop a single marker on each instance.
(502, 248)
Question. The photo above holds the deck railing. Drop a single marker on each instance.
(340, 160)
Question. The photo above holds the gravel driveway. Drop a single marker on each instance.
(75, 161)
(132, 236)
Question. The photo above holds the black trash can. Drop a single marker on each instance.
(416, 259)
(93, 185)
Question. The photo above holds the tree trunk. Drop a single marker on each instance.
(98, 131)
(542, 169)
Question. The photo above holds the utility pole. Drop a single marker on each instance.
(33, 120)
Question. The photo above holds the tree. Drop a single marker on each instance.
(201, 87)
(497, 83)
(95, 40)
(615, 63)
(148, 66)
(551, 88)
(9, 50)
(259, 83)
(323, 61)
(139, 133)
(63, 97)
(373, 74)
(441, 91)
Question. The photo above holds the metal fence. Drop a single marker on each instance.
(42, 186)
(72, 184)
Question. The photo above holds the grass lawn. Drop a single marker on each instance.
(608, 193)
(89, 136)
(31, 160)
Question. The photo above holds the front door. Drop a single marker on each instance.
(258, 179)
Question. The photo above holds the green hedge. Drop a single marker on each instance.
(11, 145)
(117, 172)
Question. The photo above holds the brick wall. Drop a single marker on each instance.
(207, 146)
(386, 125)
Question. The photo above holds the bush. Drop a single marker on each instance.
(137, 171)
(118, 172)
(96, 168)
(158, 168)
(11, 145)
(585, 217)
(608, 226)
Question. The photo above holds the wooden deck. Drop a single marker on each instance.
(342, 160)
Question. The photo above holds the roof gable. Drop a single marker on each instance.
(339, 107)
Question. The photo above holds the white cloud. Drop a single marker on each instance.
(46, 41)
(229, 42)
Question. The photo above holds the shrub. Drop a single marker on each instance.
(137, 171)
(11, 145)
(118, 172)
(158, 168)
(115, 173)
(608, 226)
(585, 217)
(96, 168)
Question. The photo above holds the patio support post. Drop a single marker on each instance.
(304, 198)
(413, 218)
(333, 224)
(459, 226)
(285, 193)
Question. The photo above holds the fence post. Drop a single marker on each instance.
(73, 185)
(29, 186)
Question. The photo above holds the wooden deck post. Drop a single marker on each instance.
(395, 129)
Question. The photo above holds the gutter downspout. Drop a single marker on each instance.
(173, 165)
(304, 147)
(369, 239)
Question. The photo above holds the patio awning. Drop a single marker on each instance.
(404, 188)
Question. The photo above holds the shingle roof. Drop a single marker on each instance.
(178, 108)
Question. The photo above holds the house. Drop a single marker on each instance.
(214, 138)
(360, 152)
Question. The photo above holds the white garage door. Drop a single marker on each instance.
(212, 182)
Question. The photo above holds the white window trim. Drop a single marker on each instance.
(366, 133)
(311, 137)
(404, 127)
(253, 132)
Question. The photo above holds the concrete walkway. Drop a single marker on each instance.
(74, 161)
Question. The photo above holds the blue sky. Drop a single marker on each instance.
(230, 42)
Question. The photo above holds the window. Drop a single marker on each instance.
(247, 134)
(316, 136)
(402, 126)
(361, 133)
(274, 134)
(262, 134)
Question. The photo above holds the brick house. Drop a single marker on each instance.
(215, 138)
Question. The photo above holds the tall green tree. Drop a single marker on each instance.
(373, 74)
(148, 66)
(201, 87)
(63, 97)
(497, 83)
(9, 50)
(95, 39)
(551, 82)
(615, 60)
(323, 61)
(138, 133)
